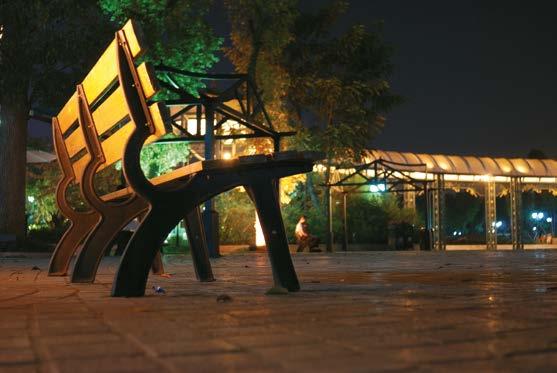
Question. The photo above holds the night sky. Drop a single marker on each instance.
(478, 77)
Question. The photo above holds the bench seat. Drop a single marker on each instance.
(217, 165)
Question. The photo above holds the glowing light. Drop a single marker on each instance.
(549, 220)
(192, 127)
(535, 228)
(376, 188)
(227, 155)
(540, 215)
(259, 237)
(498, 224)
(31, 199)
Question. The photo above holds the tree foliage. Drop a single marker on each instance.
(339, 90)
(260, 32)
(47, 46)
(159, 158)
(176, 32)
(332, 87)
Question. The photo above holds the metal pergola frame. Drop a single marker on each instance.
(215, 109)
(395, 176)
(384, 173)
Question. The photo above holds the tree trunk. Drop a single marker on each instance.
(13, 146)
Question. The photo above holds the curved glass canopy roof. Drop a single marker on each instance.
(467, 165)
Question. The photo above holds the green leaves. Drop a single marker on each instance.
(340, 80)
(176, 33)
(46, 47)
(159, 158)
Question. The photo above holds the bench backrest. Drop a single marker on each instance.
(107, 105)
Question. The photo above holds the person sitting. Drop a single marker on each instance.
(304, 239)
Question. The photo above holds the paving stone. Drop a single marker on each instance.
(16, 356)
(93, 350)
(227, 362)
(20, 368)
(14, 342)
(111, 364)
(356, 312)
(79, 338)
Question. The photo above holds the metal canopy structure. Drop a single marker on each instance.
(540, 170)
(377, 176)
(488, 176)
(231, 109)
(239, 101)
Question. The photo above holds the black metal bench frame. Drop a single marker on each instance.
(177, 195)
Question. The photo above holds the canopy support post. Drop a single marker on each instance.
(438, 202)
(490, 215)
(516, 213)
(344, 222)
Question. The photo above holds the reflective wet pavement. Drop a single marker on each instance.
(364, 311)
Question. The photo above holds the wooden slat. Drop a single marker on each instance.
(68, 114)
(135, 38)
(79, 166)
(214, 165)
(112, 110)
(75, 142)
(170, 176)
(105, 70)
(148, 80)
(113, 147)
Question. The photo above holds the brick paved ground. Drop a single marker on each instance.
(454, 311)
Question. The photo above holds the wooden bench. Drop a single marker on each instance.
(114, 121)
(81, 155)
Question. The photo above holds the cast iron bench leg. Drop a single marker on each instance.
(68, 244)
(198, 246)
(132, 274)
(264, 195)
(99, 240)
(157, 267)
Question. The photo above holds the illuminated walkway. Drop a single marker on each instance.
(441, 311)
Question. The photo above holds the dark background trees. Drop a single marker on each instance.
(331, 86)
(47, 46)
